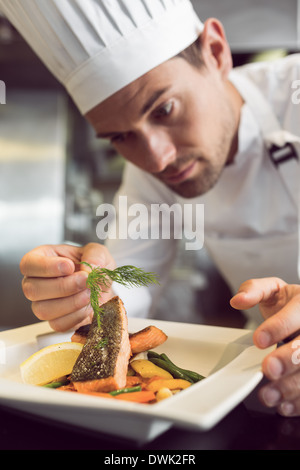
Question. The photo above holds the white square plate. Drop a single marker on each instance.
(225, 356)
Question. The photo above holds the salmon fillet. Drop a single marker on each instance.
(103, 362)
(148, 338)
(80, 334)
(143, 340)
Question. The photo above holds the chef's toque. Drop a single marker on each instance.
(97, 47)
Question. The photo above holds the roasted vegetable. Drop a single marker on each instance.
(147, 369)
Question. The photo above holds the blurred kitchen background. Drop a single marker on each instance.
(54, 173)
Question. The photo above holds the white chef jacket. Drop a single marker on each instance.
(250, 216)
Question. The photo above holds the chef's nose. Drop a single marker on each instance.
(159, 150)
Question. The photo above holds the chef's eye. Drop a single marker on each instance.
(164, 110)
(118, 138)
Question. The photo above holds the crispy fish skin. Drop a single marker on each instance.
(103, 362)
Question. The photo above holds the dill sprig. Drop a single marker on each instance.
(100, 278)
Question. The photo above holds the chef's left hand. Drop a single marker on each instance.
(280, 307)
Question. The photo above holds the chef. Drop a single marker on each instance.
(159, 84)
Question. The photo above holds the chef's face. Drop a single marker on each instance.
(177, 122)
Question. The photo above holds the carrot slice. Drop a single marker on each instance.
(144, 396)
(97, 394)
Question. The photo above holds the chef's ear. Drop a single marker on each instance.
(215, 48)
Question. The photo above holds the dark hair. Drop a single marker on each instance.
(192, 53)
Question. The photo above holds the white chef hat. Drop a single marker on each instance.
(96, 47)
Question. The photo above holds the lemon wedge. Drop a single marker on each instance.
(50, 363)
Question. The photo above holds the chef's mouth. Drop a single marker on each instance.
(178, 176)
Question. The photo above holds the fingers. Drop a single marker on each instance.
(257, 291)
(96, 255)
(281, 362)
(36, 289)
(283, 393)
(280, 306)
(37, 266)
(281, 367)
(278, 327)
(55, 282)
(272, 396)
(73, 320)
(47, 262)
(56, 308)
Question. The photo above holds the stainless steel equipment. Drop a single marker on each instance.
(33, 137)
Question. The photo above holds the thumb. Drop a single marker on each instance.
(94, 255)
(97, 255)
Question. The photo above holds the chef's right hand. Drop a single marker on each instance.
(55, 282)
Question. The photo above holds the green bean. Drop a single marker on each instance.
(173, 368)
(137, 388)
(170, 368)
(56, 384)
(154, 354)
(194, 375)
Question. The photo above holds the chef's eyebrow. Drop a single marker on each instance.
(153, 98)
(146, 107)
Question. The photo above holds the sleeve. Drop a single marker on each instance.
(136, 236)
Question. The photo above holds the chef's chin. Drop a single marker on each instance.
(199, 184)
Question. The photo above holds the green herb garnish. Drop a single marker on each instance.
(100, 278)
(103, 342)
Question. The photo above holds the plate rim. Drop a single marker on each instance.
(158, 411)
